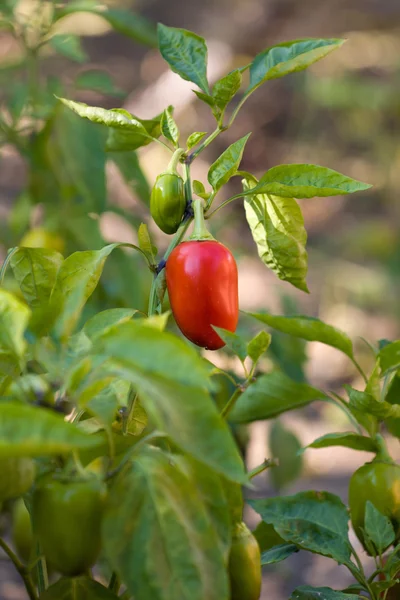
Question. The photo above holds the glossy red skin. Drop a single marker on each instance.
(202, 282)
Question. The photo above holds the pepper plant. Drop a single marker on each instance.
(112, 428)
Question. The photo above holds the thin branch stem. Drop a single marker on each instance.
(359, 369)
(231, 402)
(267, 464)
(343, 405)
(24, 573)
(206, 143)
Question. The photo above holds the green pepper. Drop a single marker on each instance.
(66, 519)
(378, 482)
(244, 565)
(21, 531)
(167, 200)
(16, 477)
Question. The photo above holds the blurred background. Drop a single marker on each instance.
(58, 184)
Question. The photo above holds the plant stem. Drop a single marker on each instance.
(200, 231)
(231, 403)
(343, 405)
(267, 464)
(235, 112)
(173, 163)
(359, 369)
(41, 569)
(206, 143)
(21, 570)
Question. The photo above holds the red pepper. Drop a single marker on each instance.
(202, 282)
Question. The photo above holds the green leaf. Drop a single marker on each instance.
(389, 356)
(310, 329)
(306, 592)
(266, 536)
(313, 521)
(360, 406)
(29, 431)
(186, 54)
(36, 270)
(195, 138)
(145, 243)
(284, 446)
(227, 164)
(169, 127)
(234, 496)
(77, 588)
(277, 227)
(347, 440)
(171, 380)
(80, 271)
(158, 535)
(14, 317)
(258, 345)
(185, 413)
(288, 57)
(393, 391)
(233, 341)
(123, 139)
(225, 89)
(362, 402)
(378, 528)
(212, 492)
(74, 160)
(17, 98)
(277, 554)
(206, 98)
(156, 352)
(306, 181)
(271, 395)
(200, 190)
(124, 21)
(102, 321)
(132, 25)
(99, 81)
(115, 117)
(129, 167)
(69, 45)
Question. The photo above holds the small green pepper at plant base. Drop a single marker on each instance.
(66, 518)
(167, 202)
(21, 530)
(378, 482)
(244, 565)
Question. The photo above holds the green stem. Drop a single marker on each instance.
(235, 112)
(267, 464)
(173, 163)
(188, 185)
(200, 231)
(41, 570)
(343, 405)
(359, 369)
(206, 143)
(235, 197)
(231, 403)
(383, 453)
(21, 570)
(152, 298)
